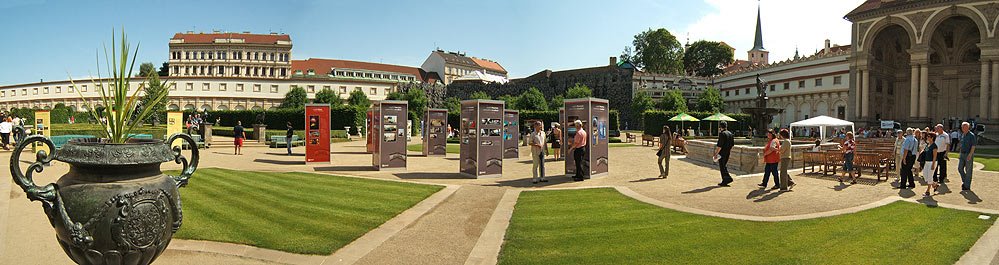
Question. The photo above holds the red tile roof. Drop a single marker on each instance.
(490, 65)
(248, 38)
(324, 66)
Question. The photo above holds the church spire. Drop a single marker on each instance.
(758, 42)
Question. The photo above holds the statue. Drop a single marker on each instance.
(261, 117)
(761, 113)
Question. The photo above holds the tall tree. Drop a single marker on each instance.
(640, 104)
(706, 58)
(165, 69)
(710, 101)
(627, 55)
(579, 91)
(509, 100)
(533, 99)
(657, 51)
(395, 95)
(452, 104)
(153, 88)
(146, 68)
(295, 98)
(357, 98)
(418, 101)
(673, 101)
(327, 96)
(479, 95)
(558, 101)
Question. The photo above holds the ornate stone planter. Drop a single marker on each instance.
(114, 206)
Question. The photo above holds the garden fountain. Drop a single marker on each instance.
(762, 114)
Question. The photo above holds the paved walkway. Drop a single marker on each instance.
(467, 225)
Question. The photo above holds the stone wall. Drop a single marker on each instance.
(745, 159)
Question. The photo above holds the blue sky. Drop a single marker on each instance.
(45, 39)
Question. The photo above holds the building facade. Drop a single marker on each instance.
(451, 66)
(925, 62)
(230, 55)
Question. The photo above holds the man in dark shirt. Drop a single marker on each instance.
(722, 150)
(288, 135)
(238, 134)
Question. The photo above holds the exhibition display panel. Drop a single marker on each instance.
(317, 133)
(593, 113)
(481, 135)
(389, 124)
(435, 136)
(511, 133)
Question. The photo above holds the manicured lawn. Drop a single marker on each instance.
(991, 164)
(601, 226)
(292, 212)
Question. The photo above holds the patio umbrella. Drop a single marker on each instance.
(682, 117)
(718, 117)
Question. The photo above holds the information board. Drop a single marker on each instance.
(369, 132)
(511, 133)
(435, 136)
(317, 133)
(593, 113)
(174, 125)
(389, 121)
(42, 127)
(481, 138)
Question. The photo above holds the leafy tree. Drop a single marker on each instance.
(533, 99)
(710, 101)
(558, 101)
(657, 51)
(706, 58)
(327, 96)
(165, 69)
(153, 88)
(579, 91)
(673, 101)
(510, 100)
(627, 55)
(146, 68)
(640, 104)
(479, 95)
(359, 99)
(295, 98)
(452, 104)
(418, 101)
(395, 95)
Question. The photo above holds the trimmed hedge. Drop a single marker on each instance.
(655, 119)
(340, 116)
(548, 116)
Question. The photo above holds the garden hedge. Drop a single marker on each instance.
(340, 116)
(655, 119)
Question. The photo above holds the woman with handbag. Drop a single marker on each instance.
(665, 140)
(929, 156)
(848, 147)
(771, 157)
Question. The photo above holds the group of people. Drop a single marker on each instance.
(924, 152)
(539, 139)
(7, 124)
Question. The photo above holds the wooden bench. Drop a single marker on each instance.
(650, 140)
(833, 159)
(279, 140)
(870, 161)
(629, 138)
(813, 161)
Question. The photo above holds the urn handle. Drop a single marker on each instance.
(48, 194)
(189, 168)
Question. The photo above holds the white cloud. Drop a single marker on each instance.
(787, 24)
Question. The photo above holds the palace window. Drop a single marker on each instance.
(736, 92)
(357, 88)
(373, 91)
(773, 87)
(222, 87)
(387, 91)
(312, 89)
(205, 87)
(274, 88)
(239, 87)
(327, 88)
(24, 91)
(189, 87)
(69, 89)
(221, 69)
(801, 84)
(256, 88)
(83, 88)
(837, 80)
(726, 93)
(818, 82)
(747, 91)
(343, 90)
(787, 86)
(34, 91)
(312, 72)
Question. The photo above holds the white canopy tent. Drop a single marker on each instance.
(822, 122)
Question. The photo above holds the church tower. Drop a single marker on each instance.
(759, 55)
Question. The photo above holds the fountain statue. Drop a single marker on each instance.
(761, 113)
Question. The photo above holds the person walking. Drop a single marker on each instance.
(578, 149)
(238, 135)
(942, 141)
(930, 157)
(955, 140)
(965, 163)
(918, 167)
(557, 141)
(288, 135)
(908, 154)
(723, 149)
(897, 151)
(771, 157)
(848, 147)
(6, 127)
(538, 149)
(665, 145)
(785, 160)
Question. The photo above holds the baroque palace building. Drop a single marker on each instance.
(234, 71)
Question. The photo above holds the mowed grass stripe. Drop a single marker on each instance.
(601, 226)
(292, 212)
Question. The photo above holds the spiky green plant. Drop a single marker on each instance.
(121, 108)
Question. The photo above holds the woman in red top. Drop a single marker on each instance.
(848, 146)
(771, 156)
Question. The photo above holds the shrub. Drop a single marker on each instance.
(655, 119)
(340, 116)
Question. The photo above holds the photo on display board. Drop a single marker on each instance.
(487, 143)
(389, 137)
(491, 132)
(314, 141)
(313, 122)
(492, 121)
(436, 122)
(436, 130)
(433, 136)
(391, 128)
(314, 134)
(402, 133)
(390, 119)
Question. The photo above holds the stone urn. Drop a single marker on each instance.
(114, 206)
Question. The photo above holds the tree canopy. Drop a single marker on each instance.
(145, 69)
(710, 101)
(418, 101)
(452, 104)
(327, 96)
(656, 51)
(706, 58)
(532, 99)
(154, 87)
(295, 98)
(479, 95)
(579, 91)
(558, 101)
(357, 98)
(673, 101)
(640, 104)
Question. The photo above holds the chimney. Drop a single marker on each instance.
(612, 61)
(826, 50)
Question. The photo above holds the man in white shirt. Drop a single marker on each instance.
(538, 148)
(943, 144)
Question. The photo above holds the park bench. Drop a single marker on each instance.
(197, 139)
(629, 138)
(833, 159)
(813, 161)
(649, 140)
(279, 141)
(869, 161)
